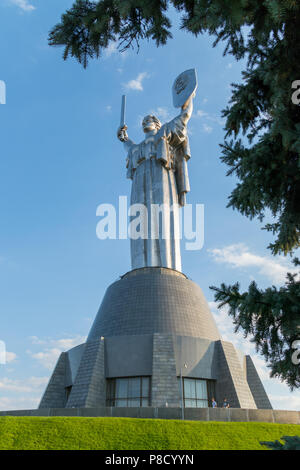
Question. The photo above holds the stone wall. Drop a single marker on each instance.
(89, 386)
(198, 414)
(257, 389)
(231, 382)
(55, 393)
(160, 356)
(165, 387)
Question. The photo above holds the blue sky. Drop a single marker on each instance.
(60, 159)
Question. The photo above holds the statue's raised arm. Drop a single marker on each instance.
(172, 140)
(123, 137)
(122, 130)
(187, 109)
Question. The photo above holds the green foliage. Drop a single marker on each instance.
(88, 27)
(271, 318)
(290, 443)
(261, 108)
(73, 433)
(268, 169)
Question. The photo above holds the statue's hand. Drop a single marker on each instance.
(122, 134)
(188, 101)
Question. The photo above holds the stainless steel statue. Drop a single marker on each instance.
(158, 169)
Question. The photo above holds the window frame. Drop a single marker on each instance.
(111, 397)
(210, 391)
(68, 391)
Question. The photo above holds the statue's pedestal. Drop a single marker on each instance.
(153, 331)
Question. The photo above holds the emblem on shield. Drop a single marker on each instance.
(184, 85)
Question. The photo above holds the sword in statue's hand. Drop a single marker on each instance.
(122, 134)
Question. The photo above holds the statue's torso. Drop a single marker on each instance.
(148, 149)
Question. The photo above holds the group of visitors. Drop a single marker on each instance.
(214, 404)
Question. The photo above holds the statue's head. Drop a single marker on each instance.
(151, 123)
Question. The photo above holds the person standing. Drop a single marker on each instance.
(226, 403)
(214, 403)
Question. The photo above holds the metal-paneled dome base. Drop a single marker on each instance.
(154, 300)
(154, 323)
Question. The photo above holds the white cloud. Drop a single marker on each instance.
(10, 356)
(18, 403)
(137, 83)
(261, 367)
(226, 328)
(26, 393)
(161, 112)
(239, 256)
(111, 49)
(68, 343)
(211, 118)
(23, 4)
(22, 394)
(13, 386)
(285, 402)
(63, 343)
(48, 357)
(53, 348)
(37, 382)
(201, 113)
(36, 340)
(207, 129)
(29, 385)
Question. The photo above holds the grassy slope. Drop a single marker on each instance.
(133, 434)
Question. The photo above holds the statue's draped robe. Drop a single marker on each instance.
(158, 169)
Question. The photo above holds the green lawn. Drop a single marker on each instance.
(134, 434)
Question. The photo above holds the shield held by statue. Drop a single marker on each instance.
(184, 86)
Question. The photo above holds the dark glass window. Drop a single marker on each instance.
(197, 393)
(68, 391)
(128, 391)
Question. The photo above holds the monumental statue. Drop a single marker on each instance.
(158, 169)
(154, 342)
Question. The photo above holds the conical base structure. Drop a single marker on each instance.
(154, 343)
